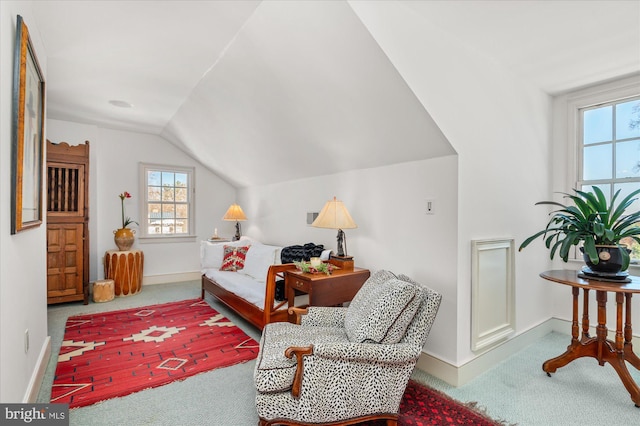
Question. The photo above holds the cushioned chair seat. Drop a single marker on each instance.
(274, 372)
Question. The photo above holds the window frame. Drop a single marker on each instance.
(583, 100)
(144, 236)
(580, 181)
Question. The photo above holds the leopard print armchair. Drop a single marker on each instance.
(345, 365)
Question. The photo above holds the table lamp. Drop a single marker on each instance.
(334, 215)
(235, 213)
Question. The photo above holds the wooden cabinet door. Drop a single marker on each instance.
(65, 263)
(67, 222)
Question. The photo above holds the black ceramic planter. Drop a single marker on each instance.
(610, 259)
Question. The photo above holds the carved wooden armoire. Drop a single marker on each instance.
(67, 222)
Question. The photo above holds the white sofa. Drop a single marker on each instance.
(249, 291)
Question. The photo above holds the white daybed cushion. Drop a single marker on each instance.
(242, 285)
(259, 258)
(246, 287)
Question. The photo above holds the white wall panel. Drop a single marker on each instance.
(492, 292)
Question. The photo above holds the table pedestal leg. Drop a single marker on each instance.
(629, 355)
(599, 347)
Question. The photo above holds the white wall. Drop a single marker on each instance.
(115, 156)
(500, 126)
(23, 303)
(394, 233)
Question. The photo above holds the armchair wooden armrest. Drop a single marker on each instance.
(299, 353)
(298, 312)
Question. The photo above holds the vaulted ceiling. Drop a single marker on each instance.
(292, 89)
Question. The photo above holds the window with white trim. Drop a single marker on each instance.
(168, 203)
(608, 144)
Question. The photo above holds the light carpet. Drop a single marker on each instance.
(517, 390)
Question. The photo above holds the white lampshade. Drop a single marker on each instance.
(234, 213)
(334, 215)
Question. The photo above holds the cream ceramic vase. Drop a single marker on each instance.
(124, 238)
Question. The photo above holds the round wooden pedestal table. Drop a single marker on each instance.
(125, 269)
(617, 352)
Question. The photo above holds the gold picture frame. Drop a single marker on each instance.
(28, 134)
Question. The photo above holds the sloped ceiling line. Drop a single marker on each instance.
(304, 90)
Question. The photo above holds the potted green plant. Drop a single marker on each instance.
(599, 226)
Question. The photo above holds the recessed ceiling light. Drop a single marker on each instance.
(121, 104)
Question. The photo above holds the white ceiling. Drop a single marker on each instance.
(297, 89)
(559, 45)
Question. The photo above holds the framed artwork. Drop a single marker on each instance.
(28, 134)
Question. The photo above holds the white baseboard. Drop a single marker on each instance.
(31, 394)
(459, 375)
(171, 278)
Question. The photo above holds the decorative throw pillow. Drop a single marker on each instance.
(211, 255)
(382, 307)
(399, 327)
(259, 258)
(234, 257)
(358, 307)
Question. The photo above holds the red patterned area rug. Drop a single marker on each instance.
(424, 406)
(113, 354)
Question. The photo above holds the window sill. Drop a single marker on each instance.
(167, 239)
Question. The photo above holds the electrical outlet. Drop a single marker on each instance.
(430, 206)
(26, 341)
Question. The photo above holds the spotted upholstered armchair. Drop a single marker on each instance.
(345, 365)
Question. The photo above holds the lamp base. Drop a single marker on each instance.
(237, 236)
(342, 262)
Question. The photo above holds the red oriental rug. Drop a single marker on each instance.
(424, 406)
(113, 354)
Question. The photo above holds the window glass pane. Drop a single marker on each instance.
(168, 211)
(628, 120)
(167, 193)
(606, 188)
(182, 226)
(597, 162)
(626, 189)
(168, 226)
(154, 211)
(153, 178)
(181, 179)
(167, 179)
(181, 195)
(154, 227)
(598, 125)
(182, 210)
(628, 159)
(153, 193)
(153, 219)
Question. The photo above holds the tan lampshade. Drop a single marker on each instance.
(334, 215)
(234, 213)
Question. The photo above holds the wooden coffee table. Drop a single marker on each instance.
(615, 352)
